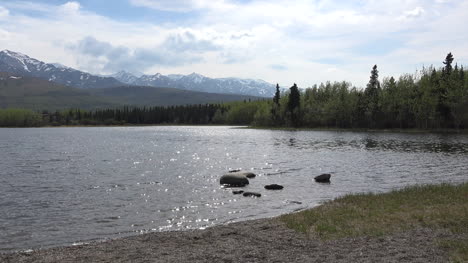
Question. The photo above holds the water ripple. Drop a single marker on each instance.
(64, 185)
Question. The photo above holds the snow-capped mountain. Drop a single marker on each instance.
(124, 77)
(156, 80)
(23, 65)
(197, 82)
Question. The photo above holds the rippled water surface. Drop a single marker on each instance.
(63, 185)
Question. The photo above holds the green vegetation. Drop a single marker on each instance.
(430, 99)
(431, 206)
(190, 114)
(19, 118)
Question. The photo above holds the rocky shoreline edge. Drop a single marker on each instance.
(262, 240)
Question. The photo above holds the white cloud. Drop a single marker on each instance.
(70, 7)
(4, 12)
(4, 35)
(276, 40)
(415, 13)
(183, 5)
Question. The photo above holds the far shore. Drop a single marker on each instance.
(433, 219)
(410, 130)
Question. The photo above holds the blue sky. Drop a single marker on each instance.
(280, 41)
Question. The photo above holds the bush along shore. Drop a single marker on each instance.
(415, 224)
(431, 99)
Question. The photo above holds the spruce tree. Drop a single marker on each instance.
(275, 108)
(276, 98)
(372, 94)
(294, 104)
(448, 64)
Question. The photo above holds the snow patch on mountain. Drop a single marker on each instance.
(20, 64)
(198, 82)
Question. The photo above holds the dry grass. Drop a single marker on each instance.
(430, 206)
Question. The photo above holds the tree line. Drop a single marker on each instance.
(429, 99)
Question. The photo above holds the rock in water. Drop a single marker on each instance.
(323, 178)
(237, 192)
(251, 194)
(246, 174)
(234, 179)
(274, 187)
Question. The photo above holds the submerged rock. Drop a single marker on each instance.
(274, 187)
(237, 192)
(323, 178)
(246, 174)
(251, 194)
(234, 179)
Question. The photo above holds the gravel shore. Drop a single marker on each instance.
(264, 240)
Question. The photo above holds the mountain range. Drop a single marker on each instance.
(39, 94)
(197, 82)
(23, 65)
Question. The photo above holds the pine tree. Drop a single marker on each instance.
(275, 108)
(448, 65)
(294, 104)
(372, 94)
(276, 98)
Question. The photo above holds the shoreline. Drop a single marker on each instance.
(436, 235)
(261, 240)
(410, 130)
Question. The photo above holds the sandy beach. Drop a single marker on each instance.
(264, 240)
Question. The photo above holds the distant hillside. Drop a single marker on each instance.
(38, 94)
(150, 96)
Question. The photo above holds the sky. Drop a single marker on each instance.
(280, 41)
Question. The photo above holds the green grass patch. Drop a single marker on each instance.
(458, 249)
(430, 206)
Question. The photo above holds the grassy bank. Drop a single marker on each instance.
(432, 206)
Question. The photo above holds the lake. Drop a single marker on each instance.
(62, 186)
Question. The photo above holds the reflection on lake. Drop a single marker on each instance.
(62, 185)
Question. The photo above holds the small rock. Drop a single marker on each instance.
(274, 187)
(323, 178)
(234, 170)
(237, 192)
(251, 194)
(249, 175)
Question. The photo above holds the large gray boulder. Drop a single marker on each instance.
(234, 179)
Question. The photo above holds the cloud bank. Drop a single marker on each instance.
(277, 40)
